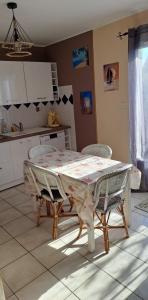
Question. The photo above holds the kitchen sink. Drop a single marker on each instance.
(25, 132)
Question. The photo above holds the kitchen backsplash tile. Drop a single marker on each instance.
(27, 115)
(30, 117)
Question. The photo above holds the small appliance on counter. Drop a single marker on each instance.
(53, 119)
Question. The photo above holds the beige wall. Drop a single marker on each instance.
(112, 106)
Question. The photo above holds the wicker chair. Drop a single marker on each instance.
(41, 149)
(98, 150)
(49, 190)
(109, 194)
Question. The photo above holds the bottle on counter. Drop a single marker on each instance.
(4, 128)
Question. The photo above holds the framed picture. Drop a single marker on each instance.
(111, 77)
(80, 58)
(86, 102)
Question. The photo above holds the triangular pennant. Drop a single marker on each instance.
(7, 106)
(27, 104)
(36, 104)
(44, 102)
(17, 105)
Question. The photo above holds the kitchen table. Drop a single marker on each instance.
(79, 174)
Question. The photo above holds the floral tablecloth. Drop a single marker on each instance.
(78, 174)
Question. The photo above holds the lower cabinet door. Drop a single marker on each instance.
(6, 164)
(6, 173)
(19, 149)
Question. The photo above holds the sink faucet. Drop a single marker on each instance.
(19, 127)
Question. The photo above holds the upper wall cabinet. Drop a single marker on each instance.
(12, 83)
(38, 78)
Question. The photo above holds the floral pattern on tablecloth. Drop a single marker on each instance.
(78, 174)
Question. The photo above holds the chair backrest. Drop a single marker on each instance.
(98, 150)
(44, 179)
(111, 185)
(41, 149)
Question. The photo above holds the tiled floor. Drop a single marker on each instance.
(34, 267)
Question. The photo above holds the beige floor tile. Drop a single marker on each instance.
(13, 298)
(21, 187)
(135, 201)
(4, 236)
(33, 238)
(139, 222)
(4, 205)
(70, 235)
(72, 297)
(140, 196)
(26, 207)
(51, 253)
(8, 193)
(19, 226)
(126, 268)
(18, 199)
(7, 290)
(102, 286)
(32, 217)
(21, 272)
(133, 297)
(136, 245)
(9, 252)
(45, 287)
(74, 271)
(9, 215)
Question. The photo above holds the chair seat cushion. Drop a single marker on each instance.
(112, 203)
(55, 192)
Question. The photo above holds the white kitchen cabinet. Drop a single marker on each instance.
(38, 78)
(6, 164)
(14, 152)
(12, 83)
(19, 150)
(56, 139)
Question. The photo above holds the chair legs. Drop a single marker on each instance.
(40, 200)
(105, 232)
(104, 226)
(56, 207)
(124, 221)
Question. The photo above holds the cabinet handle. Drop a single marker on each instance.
(1, 168)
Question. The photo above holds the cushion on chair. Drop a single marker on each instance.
(55, 192)
(112, 203)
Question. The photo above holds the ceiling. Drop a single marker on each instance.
(49, 21)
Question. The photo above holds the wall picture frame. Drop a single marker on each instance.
(86, 102)
(80, 57)
(111, 76)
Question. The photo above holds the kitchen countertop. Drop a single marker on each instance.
(11, 136)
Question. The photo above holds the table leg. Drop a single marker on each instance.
(91, 238)
(127, 203)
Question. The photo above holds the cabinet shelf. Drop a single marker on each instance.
(54, 81)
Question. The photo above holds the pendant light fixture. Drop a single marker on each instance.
(16, 41)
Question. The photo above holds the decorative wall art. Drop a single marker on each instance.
(86, 102)
(80, 58)
(111, 77)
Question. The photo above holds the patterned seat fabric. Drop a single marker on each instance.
(112, 203)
